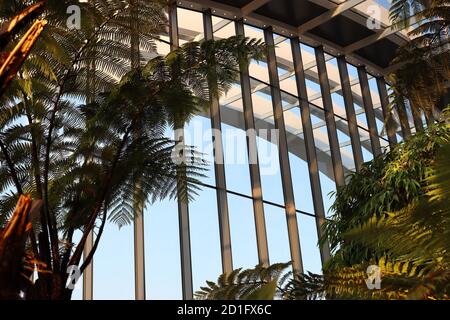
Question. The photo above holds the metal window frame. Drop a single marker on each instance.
(219, 168)
(329, 117)
(183, 206)
(286, 177)
(313, 166)
(392, 137)
(255, 176)
(370, 114)
(350, 112)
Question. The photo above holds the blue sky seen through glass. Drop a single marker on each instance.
(113, 264)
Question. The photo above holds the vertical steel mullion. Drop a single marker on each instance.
(392, 137)
(255, 176)
(288, 192)
(329, 118)
(222, 200)
(368, 108)
(350, 111)
(183, 207)
(313, 166)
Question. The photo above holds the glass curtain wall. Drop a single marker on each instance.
(164, 272)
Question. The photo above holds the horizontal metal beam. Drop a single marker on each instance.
(258, 20)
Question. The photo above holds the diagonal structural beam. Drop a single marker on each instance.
(252, 6)
(380, 34)
(369, 40)
(327, 16)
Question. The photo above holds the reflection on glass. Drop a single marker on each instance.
(298, 160)
(235, 141)
(190, 25)
(257, 69)
(323, 152)
(223, 28)
(267, 143)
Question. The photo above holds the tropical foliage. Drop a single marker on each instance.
(421, 68)
(260, 283)
(395, 215)
(84, 125)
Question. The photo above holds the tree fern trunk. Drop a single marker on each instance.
(138, 204)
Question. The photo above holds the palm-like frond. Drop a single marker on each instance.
(87, 135)
(399, 280)
(244, 284)
(423, 63)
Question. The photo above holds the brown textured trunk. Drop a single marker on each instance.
(12, 249)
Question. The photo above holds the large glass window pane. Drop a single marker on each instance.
(345, 144)
(277, 235)
(162, 251)
(114, 264)
(223, 28)
(205, 238)
(309, 244)
(361, 118)
(235, 141)
(326, 171)
(335, 86)
(243, 233)
(198, 134)
(267, 143)
(285, 65)
(297, 155)
(257, 69)
(340, 113)
(190, 25)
